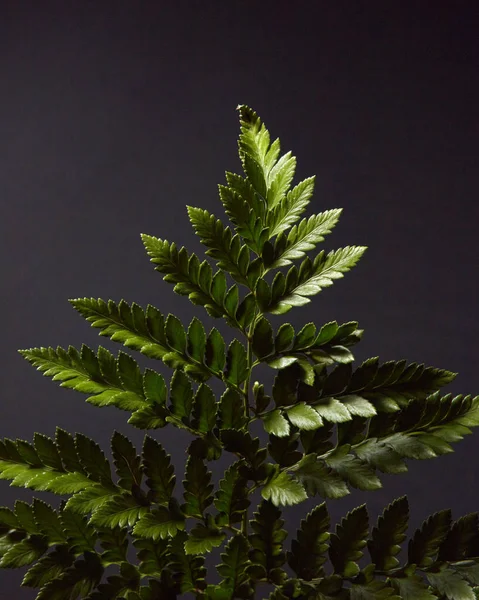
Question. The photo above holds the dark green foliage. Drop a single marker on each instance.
(330, 427)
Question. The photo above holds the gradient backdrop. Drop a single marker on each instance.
(115, 115)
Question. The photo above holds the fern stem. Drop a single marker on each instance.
(249, 358)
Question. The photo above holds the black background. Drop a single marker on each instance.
(115, 115)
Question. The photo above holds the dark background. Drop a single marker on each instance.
(115, 115)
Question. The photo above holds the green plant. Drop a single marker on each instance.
(330, 427)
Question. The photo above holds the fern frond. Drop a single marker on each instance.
(245, 210)
(191, 278)
(307, 550)
(282, 216)
(279, 179)
(188, 569)
(270, 177)
(389, 386)
(331, 428)
(20, 463)
(267, 554)
(347, 543)
(109, 380)
(233, 567)
(254, 149)
(231, 498)
(225, 247)
(303, 237)
(328, 346)
(422, 430)
(146, 332)
(197, 488)
(112, 382)
(311, 277)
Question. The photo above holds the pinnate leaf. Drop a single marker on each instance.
(388, 535)
(308, 548)
(347, 542)
(283, 490)
(156, 464)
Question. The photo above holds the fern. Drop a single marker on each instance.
(329, 427)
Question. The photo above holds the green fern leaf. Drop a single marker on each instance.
(160, 523)
(412, 587)
(181, 396)
(81, 371)
(267, 541)
(9, 520)
(114, 542)
(262, 340)
(118, 511)
(357, 473)
(231, 497)
(214, 360)
(283, 490)
(25, 552)
(204, 409)
(188, 570)
(152, 555)
(232, 568)
(231, 410)
(93, 460)
(139, 330)
(389, 386)
(388, 535)
(78, 580)
(312, 277)
(380, 456)
(118, 586)
(196, 340)
(222, 244)
(16, 467)
(303, 237)
(156, 464)
(450, 584)
(245, 446)
(347, 542)
(425, 544)
(236, 368)
(49, 567)
(89, 499)
(468, 569)
(384, 414)
(462, 540)
(253, 145)
(127, 462)
(65, 444)
(307, 550)
(373, 590)
(245, 211)
(332, 410)
(282, 216)
(47, 451)
(48, 522)
(274, 423)
(203, 539)
(279, 179)
(304, 417)
(318, 478)
(150, 417)
(197, 488)
(327, 347)
(191, 278)
(80, 534)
